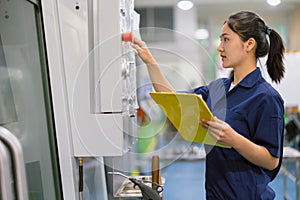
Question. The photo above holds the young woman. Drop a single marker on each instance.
(249, 112)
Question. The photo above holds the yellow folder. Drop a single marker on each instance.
(185, 112)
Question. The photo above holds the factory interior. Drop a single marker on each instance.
(77, 116)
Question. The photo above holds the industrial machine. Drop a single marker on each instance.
(68, 95)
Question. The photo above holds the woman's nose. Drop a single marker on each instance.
(220, 47)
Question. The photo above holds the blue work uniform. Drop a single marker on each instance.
(254, 109)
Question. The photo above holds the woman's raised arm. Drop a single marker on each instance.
(159, 81)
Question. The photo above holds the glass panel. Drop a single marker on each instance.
(25, 94)
(7, 106)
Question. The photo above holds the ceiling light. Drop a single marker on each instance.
(274, 2)
(185, 5)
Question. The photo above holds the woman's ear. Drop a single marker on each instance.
(250, 44)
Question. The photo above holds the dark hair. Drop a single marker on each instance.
(249, 25)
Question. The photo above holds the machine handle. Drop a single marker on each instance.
(5, 178)
(12, 142)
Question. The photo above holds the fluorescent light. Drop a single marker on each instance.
(202, 34)
(185, 5)
(274, 2)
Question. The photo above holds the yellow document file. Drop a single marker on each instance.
(185, 112)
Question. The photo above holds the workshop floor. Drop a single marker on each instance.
(185, 180)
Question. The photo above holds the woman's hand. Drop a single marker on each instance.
(160, 83)
(220, 131)
(224, 134)
(143, 51)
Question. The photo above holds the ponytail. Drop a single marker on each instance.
(249, 25)
(274, 62)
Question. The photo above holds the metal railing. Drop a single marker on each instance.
(11, 152)
(292, 156)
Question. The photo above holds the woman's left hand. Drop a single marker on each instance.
(220, 131)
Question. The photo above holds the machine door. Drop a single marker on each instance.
(25, 104)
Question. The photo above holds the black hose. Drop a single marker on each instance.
(80, 175)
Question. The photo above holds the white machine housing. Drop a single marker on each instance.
(92, 56)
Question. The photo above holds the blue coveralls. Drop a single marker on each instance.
(255, 110)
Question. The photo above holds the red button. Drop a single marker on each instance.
(127, 37)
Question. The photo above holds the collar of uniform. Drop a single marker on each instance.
(250, 80)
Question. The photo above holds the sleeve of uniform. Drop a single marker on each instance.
(269, 124)
(202, 90)
(217, 88)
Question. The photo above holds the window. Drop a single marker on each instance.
(156, 24)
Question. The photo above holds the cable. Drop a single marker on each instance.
(80, 166)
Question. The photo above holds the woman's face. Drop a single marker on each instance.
(232, 48)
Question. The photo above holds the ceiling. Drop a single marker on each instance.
(286, 5)
(218, 9)
(204, 2)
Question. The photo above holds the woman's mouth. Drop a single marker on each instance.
(222, 57)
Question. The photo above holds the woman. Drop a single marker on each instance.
(249, 112)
